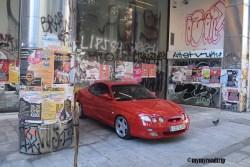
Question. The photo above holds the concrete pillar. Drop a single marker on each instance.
(46, 92)
(236, 56)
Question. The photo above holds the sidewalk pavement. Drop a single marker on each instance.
(99, 145)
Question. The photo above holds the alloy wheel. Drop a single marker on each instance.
(122, 127)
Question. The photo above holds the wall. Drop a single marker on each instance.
(197, 25)
(196, 41)
(9, 32)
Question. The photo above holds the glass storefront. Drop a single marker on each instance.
(122, 40)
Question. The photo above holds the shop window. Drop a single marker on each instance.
(120, 40)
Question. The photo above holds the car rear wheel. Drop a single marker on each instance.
(122, 127)
(81, 110)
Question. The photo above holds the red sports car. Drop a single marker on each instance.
(132, 110)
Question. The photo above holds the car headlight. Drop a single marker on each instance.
(151, 119)
(145, 118)
(161, 119)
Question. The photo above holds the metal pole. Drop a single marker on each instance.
(167, 47)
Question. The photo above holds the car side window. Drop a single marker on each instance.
(99, 89)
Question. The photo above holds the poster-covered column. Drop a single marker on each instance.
(46, 75)
(235, 73)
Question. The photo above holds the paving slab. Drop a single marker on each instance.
(100, 146)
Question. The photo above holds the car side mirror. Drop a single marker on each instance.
(106, 96)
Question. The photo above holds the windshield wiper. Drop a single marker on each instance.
(124, 94)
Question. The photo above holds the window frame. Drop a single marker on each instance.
(97, 84)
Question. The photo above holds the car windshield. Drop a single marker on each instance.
(131, 92)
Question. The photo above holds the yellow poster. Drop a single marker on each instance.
(59, 107)
(49, 109)
(13, 74)
(206, 73)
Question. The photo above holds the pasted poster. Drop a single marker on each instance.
(233, 95)
(124, 70)
(197, 74)
(177, 74)
(36, 67)
(29, 110)
(138, 72)
(191, 85)
(4, 69)
(231, 78)
(215, 73)
(46, 106)
(148, 70)
(13, 73)
(230, 95)
(105, 72)
(205, 75)
(151, 70)
(188, 73)
(62, 67)
(86, 69)
(30, 105)
(60, 98)
(48, 110)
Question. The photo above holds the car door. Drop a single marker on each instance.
(89, 101)
(102, 106)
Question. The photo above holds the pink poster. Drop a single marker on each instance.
(4, 70)
(105, 72)
(148, 70)
(137, 72)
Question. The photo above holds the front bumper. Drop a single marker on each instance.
(158, 131)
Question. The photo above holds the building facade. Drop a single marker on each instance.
(189, 51)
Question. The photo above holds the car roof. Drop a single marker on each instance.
(117, 82)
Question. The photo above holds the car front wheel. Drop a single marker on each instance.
(122, 127)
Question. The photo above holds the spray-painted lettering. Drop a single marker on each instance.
(6, 40)
(205, 27)
(193, 55)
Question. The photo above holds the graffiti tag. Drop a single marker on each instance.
(196, 94)
(36, 139)
(6, 40)
(197, 54)
(52, 23)
(205, 27)
(102, 44)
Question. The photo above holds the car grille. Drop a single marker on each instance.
(174, 119)
(174, 133)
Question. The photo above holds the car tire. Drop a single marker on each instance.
(122, 128)
(81, 112)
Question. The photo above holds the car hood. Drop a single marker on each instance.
(152, 106)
